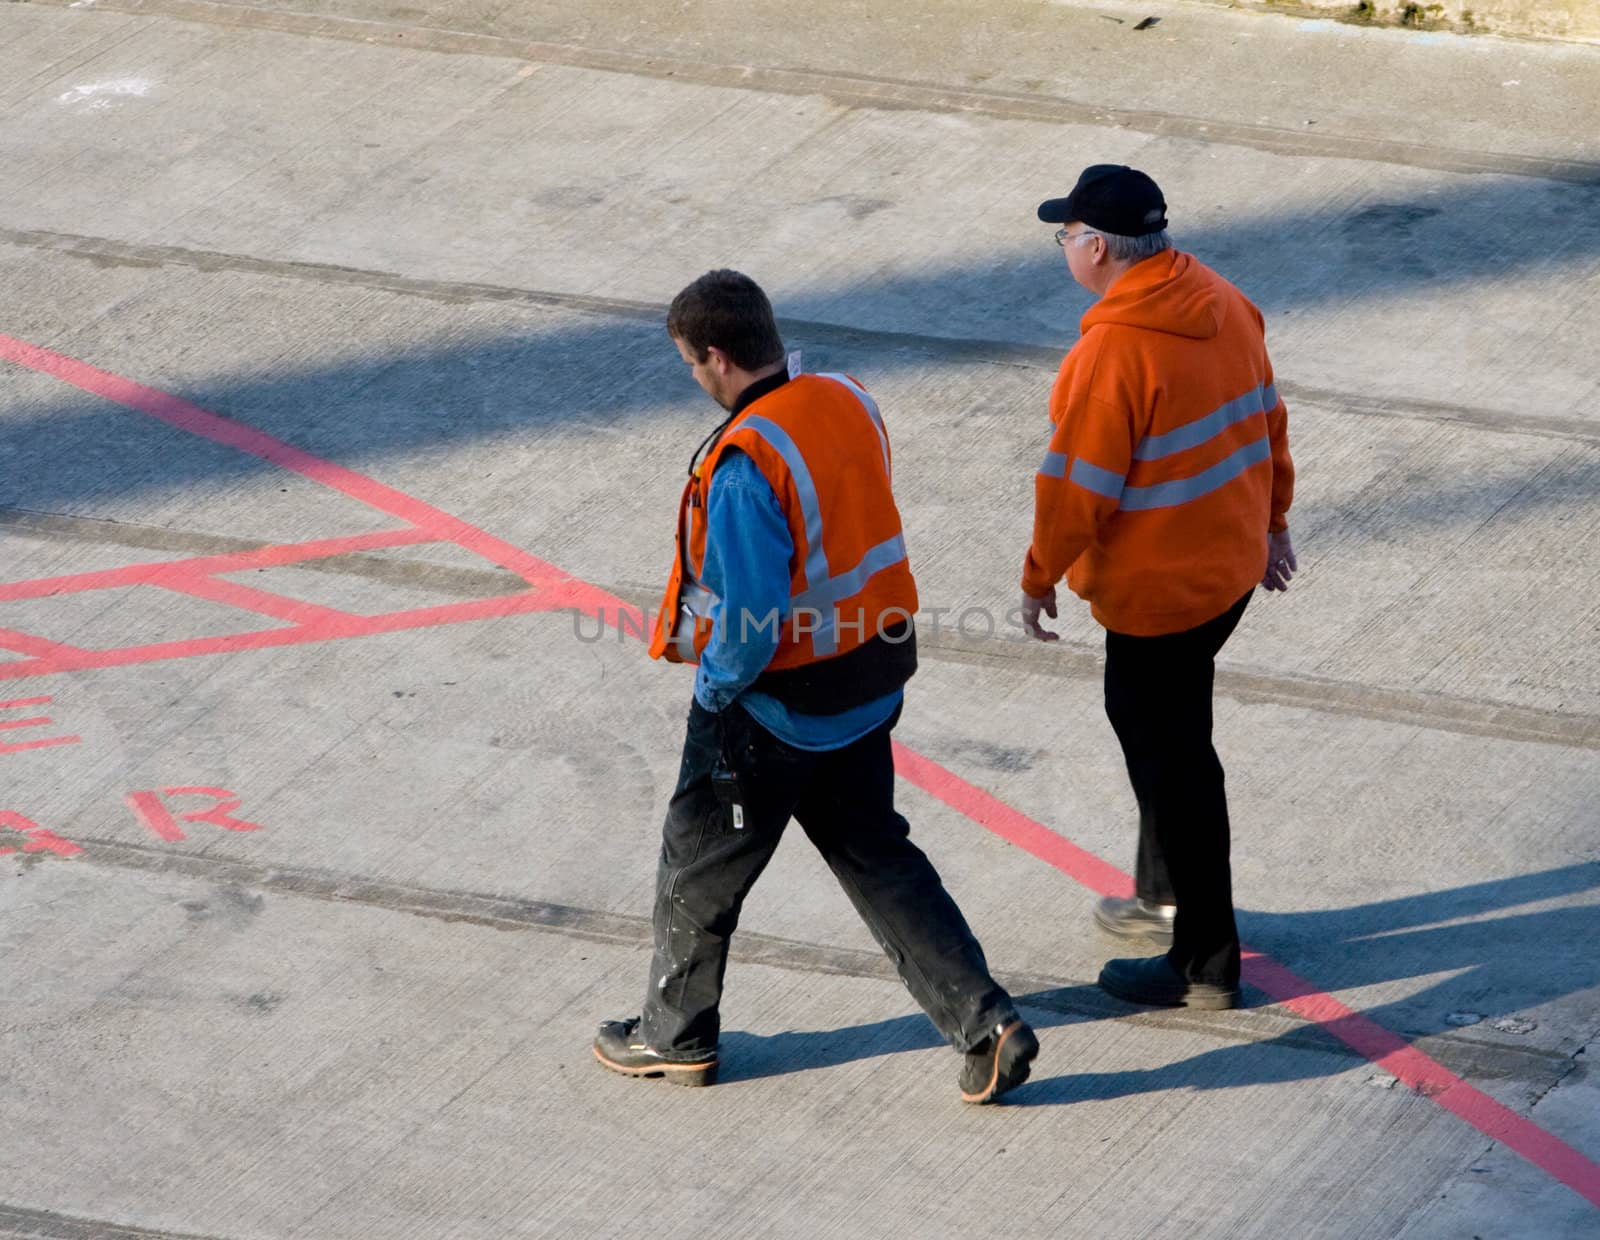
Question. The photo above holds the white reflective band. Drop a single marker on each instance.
(887, 554)
(1055, 465)
(810, 506)
(694, 601)
(824, 600)
(697, 598)
(683, 639)
(1181, 491)
(823, 590)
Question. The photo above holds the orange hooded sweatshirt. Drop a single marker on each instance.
(1169, 460)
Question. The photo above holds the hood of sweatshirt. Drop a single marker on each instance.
(1172, 292)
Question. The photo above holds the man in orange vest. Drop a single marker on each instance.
(1163, 500)
(791, 592)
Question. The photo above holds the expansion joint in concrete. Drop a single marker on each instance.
(857, 90)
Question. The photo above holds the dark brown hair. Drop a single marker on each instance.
(726, 309)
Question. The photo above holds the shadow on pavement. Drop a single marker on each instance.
(1497, 966)
(603, 373)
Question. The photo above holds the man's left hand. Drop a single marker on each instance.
(1281, 563)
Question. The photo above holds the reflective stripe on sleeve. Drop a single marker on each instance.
(1100, 481)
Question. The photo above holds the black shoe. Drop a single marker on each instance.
(1156, 982)
(619, 1047)
(1001, 1062)
(1136, 919)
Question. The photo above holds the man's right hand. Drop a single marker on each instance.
(1281, 563)
(1031, 607)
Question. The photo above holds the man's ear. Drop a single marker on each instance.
(718, 359)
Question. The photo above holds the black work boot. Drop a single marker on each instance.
(1136, 919)
(1000, 1062)
(1156, 982)
(619, 1047)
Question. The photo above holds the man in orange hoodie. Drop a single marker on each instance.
(1163, 500)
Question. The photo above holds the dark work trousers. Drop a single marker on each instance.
(1158, 698)
(844, 801)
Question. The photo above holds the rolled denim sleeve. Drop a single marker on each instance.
(748, 550)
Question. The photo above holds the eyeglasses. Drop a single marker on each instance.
(1063, 236)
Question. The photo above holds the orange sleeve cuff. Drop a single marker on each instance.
(1035, 581)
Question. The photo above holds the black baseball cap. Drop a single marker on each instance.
(1112, 197)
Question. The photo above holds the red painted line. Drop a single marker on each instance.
(33, 701)
(248, 598)
(220, 814)
(1428, 1077)
(356, 626)
(1010, 824)
(25, 723)
(39, 647)
(16, 669)
(39, 839)
(261, 557)
(19, 746)
(1365, 1036)
(190, 417)
(149, 809)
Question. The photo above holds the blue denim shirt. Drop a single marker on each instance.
(748, 549)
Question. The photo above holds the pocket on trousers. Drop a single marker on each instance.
(731, 813)
(766, 773)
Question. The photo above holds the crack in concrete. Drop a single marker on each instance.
(105, 251)
(1072, 998)
(1064, 660)
(1571, 1067)
(20, 1223)
(442, 579)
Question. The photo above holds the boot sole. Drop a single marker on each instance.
(1008, 1073)
(694, 1075)
(1212, 999)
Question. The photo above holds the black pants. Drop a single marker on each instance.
(1158, 698)
(844, 801)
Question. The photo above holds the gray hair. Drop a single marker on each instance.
(1136, 249)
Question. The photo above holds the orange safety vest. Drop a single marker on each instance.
(819, 442)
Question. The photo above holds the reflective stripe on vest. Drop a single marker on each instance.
(825, 590)
(870, 405)
(694, 602)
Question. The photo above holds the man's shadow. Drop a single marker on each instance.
(1494, 966)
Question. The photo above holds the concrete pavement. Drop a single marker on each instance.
(433, 246)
